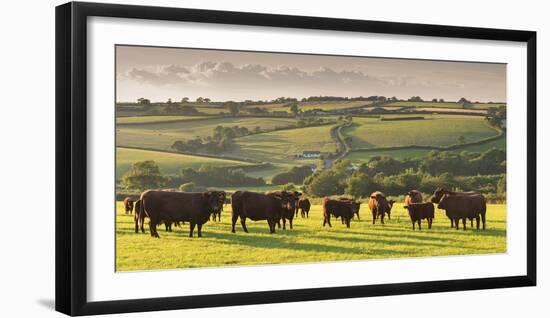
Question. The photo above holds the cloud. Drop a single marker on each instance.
(227, 74)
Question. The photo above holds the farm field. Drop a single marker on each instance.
(307, 242)
(153, 119)
(169, 163)
(434, 130)
(279, 146)
(162, 135)
(443, 104)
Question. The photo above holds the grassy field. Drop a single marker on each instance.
(364, 156)
(162, 135)
(153, 119)
(307, 242)
(443, 105)
(434, 130)
(169, 163)
(279, 146)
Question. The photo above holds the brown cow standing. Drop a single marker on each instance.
(258, 206)
(379, 206)
(128, 205)
(438, 194)
(337, 208)
(288, 214)
(218, 212)
(165, 206)
(462, 207)
(419, 211)
(304, 205)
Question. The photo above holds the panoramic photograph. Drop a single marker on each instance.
(236, 158)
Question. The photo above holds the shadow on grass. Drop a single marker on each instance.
(274, 241)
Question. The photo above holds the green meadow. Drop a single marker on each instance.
(309, 241)
(434, 130)
(162, 135)
(170, 163)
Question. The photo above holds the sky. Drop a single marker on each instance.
(159, 73)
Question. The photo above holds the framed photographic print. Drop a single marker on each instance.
(253, 158)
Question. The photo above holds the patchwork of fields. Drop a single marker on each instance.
(307, 242)
(279, 147)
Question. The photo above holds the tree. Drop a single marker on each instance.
(185, 99)
(206, 100)
(441, 100)
(232, 107)
(434, 100)
(294, 109)
(144, 101)
(169, 101)
(142, 175)
(360, 186)
(200, 100)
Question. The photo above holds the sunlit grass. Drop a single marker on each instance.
(309, 241)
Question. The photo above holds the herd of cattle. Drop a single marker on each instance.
(176, 208)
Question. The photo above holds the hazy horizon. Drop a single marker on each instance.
(161, 73)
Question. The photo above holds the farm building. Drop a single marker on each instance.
(311, 154)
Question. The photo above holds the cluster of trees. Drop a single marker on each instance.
(210, 176)
(221, 140)
(484, 172)
(295, 175)
(146, 175)
(497, 116)
(143, 175)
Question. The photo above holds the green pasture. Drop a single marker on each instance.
(162, 135)
(444, 104)
(153, 119)
(280, 146)
(309, 241)
(434, 130)
(169, 163)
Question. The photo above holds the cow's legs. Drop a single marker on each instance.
(420, 224)
(413, 222)
(234, 218)
(284, 224)
(358, 219)
(464, 223)
(477, 222)
(243, 223)
(271, 225)
(483, 219)
(191, 228)
(430, 220)
(347, 222)
(219, 216)
(199, 228)
(373, 216)
(382, 218)
(153, 229)
(456, 223)
(472, 222)
(290, 223)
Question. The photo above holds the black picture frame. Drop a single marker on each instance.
(71, 157)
